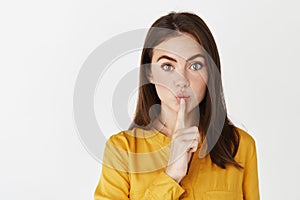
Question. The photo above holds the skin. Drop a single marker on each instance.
(179, 118)
(181, 75)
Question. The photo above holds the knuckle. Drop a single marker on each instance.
(194, 129)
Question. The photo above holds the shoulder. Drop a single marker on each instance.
(116, 151)
(121, 139)
(128, 139)
(245, 138)
(247, 144)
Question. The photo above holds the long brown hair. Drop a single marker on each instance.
(225, 147)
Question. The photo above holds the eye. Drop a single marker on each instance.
(196, 66)
(166, 67)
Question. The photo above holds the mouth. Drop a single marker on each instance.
(182, 96)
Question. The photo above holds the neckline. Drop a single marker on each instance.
(162, 136)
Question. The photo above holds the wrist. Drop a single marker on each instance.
(173, 175)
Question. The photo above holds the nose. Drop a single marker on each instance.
(181, 81)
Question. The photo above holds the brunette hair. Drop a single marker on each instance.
(225, 147)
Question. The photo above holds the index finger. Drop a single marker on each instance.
(180, 121)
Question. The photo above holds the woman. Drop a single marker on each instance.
(181, 144)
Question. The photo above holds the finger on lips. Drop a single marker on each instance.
(180, 121)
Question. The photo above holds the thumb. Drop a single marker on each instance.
(180, 121)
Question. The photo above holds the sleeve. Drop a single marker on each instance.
(163, 187)
(251, 183)
(114, 182)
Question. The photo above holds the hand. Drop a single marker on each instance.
(184, 142)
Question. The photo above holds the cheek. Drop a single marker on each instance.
(163, 82)
(162, 91)
(198, 86)
(159, 76)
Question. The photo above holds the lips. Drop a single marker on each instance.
(181, 96)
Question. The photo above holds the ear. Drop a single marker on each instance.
(149, 75)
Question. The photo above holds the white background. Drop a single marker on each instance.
(43, 45)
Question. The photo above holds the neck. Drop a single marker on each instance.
(166, 121)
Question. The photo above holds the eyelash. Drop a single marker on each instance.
(168, 64)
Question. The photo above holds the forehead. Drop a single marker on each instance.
(183, 46)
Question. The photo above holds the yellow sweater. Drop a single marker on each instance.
(134, 162)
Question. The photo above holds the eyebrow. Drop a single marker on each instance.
(173, 59)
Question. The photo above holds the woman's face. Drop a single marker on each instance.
(178, 70)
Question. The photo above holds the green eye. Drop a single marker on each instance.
(196, 66)
(166, 67)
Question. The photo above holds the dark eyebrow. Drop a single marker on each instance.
(166, 57)
(170, 58)
(195, 56)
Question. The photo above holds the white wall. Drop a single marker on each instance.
(44, 44)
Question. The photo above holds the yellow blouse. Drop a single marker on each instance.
(134, 162)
